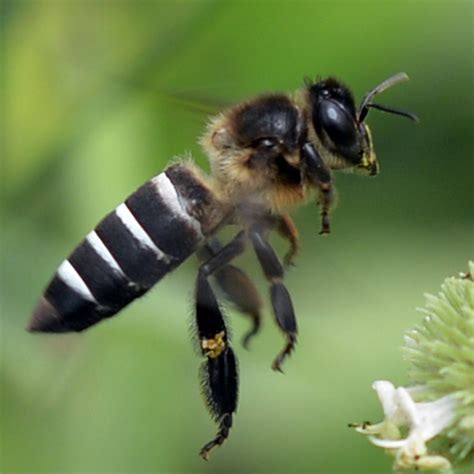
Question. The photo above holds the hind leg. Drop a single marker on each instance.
(219, 369)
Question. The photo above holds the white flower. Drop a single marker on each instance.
(440, 404)
(424, 421)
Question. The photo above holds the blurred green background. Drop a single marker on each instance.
(96, 98)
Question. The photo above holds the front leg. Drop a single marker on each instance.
(280, 298)
(319, 175)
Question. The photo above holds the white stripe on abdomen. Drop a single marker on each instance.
(103, 251)
(68, 274)
(168, 192)
(129, 221)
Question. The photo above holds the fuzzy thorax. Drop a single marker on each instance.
(240, 179)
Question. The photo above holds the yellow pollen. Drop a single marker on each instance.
(214, 347)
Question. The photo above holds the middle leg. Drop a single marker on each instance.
(237, 287)
(287, 229)
(280, 298)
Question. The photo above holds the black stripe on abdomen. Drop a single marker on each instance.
(157, 208)
(140, 263)
(110, 287)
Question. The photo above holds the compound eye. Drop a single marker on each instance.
(337, 123)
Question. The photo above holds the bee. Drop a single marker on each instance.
(267, 155)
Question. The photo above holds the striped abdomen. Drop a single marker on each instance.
(132, 248)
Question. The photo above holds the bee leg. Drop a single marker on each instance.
(287, 229)
(238, 288)
(241, 291)
(325, 200)
(219, 370)
(221, 390)
(281, 301)
(320, 174)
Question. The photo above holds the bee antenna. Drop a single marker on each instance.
(367, 101)
(391, 110)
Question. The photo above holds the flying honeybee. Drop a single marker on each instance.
(267, 155)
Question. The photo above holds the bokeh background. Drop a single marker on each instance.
(96, 98)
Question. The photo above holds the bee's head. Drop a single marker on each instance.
(340, 126)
